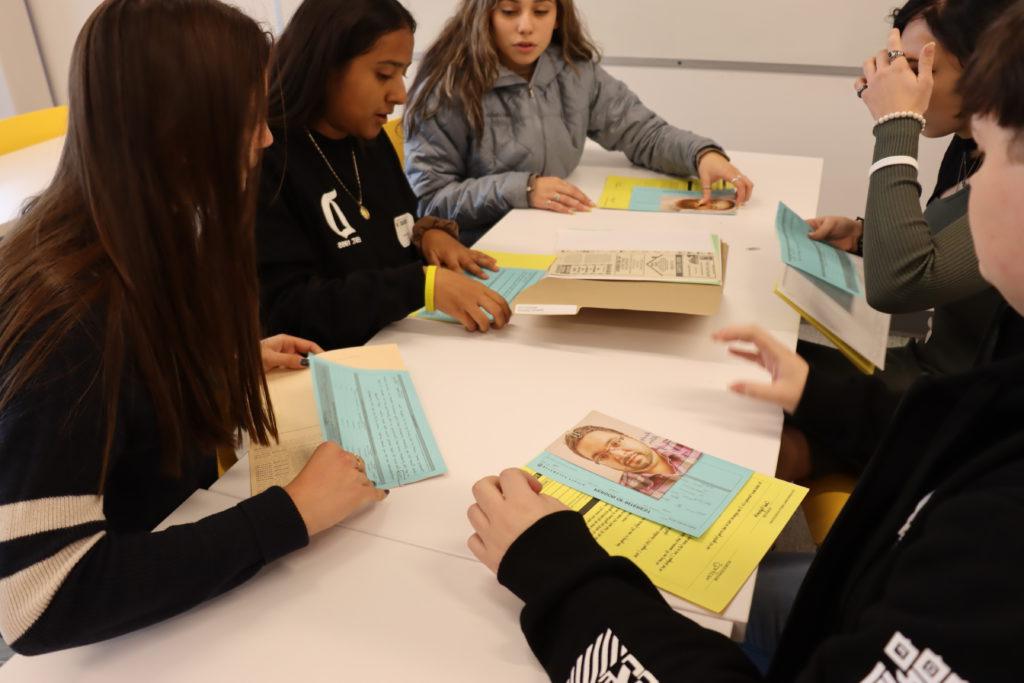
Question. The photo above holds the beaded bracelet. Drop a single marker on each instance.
(903, 115)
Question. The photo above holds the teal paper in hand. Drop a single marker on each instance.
(377, 415)
(691, 505)
(507, 282)
(818, 259)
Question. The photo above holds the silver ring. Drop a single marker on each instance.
(861, 89)
(895, 54)
(557, 197)
(739, 177)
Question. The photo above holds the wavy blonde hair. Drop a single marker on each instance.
(462, 64)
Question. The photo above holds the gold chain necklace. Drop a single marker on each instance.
(363, 211)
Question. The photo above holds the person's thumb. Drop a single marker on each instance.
(925, 64)
(705, 184)
(276, 359)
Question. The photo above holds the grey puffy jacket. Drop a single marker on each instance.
(536, 127)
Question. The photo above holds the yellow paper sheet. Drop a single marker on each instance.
(507, 259)
(709, 570)
(618, 189)
(859, 361)
(298, 422)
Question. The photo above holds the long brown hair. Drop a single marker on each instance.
(321, 39)
(149, 223)
(462, 64)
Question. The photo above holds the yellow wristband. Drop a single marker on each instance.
(428, 288)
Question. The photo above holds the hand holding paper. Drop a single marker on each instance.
(330, 488)
(824, 262)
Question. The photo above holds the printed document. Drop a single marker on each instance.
(819, 259)
(646, 474)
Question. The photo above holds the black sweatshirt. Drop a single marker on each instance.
(326, 273)
(77, 566)
(920, 573)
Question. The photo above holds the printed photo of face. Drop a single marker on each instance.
(619, 452)
(718, 204)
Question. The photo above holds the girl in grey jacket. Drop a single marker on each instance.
(503, 103)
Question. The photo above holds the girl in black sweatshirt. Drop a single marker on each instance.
(341, 252)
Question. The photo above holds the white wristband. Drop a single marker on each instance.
(903, 115)
(892, 161)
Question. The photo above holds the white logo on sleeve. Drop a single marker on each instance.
(912, 665)
(607, 660)
(333, 215)
(403, 228)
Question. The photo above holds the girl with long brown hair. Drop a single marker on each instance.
(341, 251)
(129, 338)
(501, 106)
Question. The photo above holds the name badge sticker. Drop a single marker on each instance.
(403, 228)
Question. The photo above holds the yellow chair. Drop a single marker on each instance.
(34, 127)
(397, 136)
(824, 502)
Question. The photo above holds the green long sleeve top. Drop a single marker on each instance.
(915, 260)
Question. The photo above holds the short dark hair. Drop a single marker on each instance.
(322, 37)
(957, 24)
(574, 436)
(993, 84)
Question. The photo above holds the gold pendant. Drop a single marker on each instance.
(364, 212)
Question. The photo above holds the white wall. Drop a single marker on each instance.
(57, 23)
(23, 85)
(783, 113)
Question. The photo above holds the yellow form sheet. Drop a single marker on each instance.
(618, 190)
(298, 419)
(507, 259)
(708, 570)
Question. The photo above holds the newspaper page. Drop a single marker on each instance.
(277, 464)
(696, 267)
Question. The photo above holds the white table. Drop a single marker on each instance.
(497, 400)
(414, 599)
(24, 173)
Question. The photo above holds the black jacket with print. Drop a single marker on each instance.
(326, 273)
(918, 580)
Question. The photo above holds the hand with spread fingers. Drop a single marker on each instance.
(505, 507)
(469, 301)
(285, 351)
(441, 249)
(788, 370)
(555, 194)
(713, 167)
(331, 487)
(889, 84)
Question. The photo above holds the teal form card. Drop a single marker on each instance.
(377, 415)
(818, 259)
(641, 472)
(691, 505)
(507, 282)
(681, 201)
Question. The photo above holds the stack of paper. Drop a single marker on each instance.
(361, 398)
(823, 285)
(696, 525)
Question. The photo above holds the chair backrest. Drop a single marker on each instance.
(397, 136)
(32, 128)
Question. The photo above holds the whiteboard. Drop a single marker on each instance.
(834, 33)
